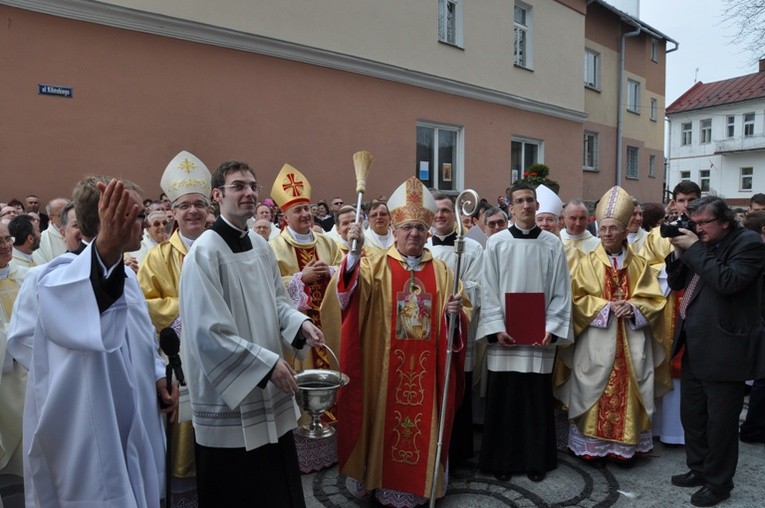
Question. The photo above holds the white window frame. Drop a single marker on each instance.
(654, 109)
(459, 158)
(704, 179)
(454, 37)
(591, 151)
(705, 131)
(686, 133)
(730, 126)
(522, 47)
(524, 163)
(633, 96)
(745, 179)
(651, 166)
(633, 163)
(591, 69)
(685, 174)
(748, 124)
(654, 50)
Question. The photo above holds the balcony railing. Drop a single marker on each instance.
(740, 144)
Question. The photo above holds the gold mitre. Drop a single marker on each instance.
(185, 174)
(617, 204)
(412, 201)
(549, 202)
(290, 188)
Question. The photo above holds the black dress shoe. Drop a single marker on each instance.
(689, 479)
(708, 497)
(536, 477)
(503, 477)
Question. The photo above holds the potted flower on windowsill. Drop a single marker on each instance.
(536, 174)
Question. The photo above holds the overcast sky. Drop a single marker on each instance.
(705, 43)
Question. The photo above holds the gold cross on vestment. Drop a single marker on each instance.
(619, 294)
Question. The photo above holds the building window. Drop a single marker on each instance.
(450, 21)
(704, 180)
(592, 69)
(730, 126)
(523, 153)
(522, 35)
(439, 157)
(632, 162)
(748, 125)
(745, 180)
(654, 50)
(633, 96)
(591, 151)
(686, 133)
(651, 166)
(654, 109)
(685, 175)
(706, 131)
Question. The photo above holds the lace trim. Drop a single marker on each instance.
(296, 290)
(584, 445)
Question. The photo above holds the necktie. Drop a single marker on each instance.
(688, 293)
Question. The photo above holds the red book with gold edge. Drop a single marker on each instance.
(525, 317)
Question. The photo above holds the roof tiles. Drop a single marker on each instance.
(728, 91)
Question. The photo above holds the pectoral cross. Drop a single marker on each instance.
(618, 294)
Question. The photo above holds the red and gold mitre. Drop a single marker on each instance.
(290, 188)
(617, 204)
(412, 201)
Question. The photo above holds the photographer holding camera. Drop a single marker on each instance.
(720, 336)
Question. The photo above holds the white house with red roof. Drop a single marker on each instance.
(717, 137)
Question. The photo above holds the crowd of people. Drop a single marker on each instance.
(639, 322)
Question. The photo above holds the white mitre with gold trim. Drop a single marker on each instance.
(185, 174)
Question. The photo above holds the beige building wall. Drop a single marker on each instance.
(404, 34)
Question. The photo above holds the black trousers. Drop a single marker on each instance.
(710, 411)
(753, 427)
(266, 476)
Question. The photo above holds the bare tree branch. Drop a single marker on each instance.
(747, 18)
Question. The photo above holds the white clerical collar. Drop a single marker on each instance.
(617, 260)
(524, 231)
(631, 237)
(188, 242)
(577, 237)
(22, 254)
(242, 232)
(412, 262)
(300, 238)
(386, 240)
(5, 272)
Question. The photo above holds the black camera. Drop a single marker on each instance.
(672, 229)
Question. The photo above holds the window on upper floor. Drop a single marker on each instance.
(632, 162)
(705, 131)
(450, 21)
(652, 166)
(438, 163)
(591, 143)
(592, 69)
(684, 175)
(704, 180)
(522, 35)
(748, 125)
(686, 133)
(654, 110)
(730, 126)
(745, 179)
(523, 153)
(633, 96)
(654, 50)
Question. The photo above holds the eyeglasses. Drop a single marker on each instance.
(199, 205)
(420, 228)
(337, 203)
(497, 224)
(158, 223)
(705, 222)
(8, 239)
(378, 214)
(241, 186)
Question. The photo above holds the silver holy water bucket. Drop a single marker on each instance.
(318, 393)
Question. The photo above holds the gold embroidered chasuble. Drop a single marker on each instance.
(386, 436)
(610, 392)
(159, 277)
(292, 257)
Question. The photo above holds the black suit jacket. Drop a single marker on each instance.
(723, 330)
